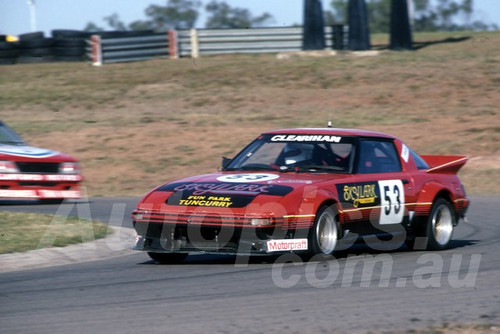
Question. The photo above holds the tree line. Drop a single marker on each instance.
(428, 15)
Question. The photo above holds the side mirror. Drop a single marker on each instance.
(226, 162)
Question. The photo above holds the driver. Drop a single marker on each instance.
(298, 154)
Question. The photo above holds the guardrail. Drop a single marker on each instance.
(258, 40)
(125, 49)
(194, 43)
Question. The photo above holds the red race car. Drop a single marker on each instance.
(33, 173)
(306, 190)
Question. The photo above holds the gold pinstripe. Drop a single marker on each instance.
(446, 164)
(368, 208)
(379, 206)
(300, 216)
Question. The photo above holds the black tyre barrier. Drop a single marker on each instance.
(8, 53)
(36, 43)
(68, 52)
(31, 35)
(7, 61)
(119, 34)
(34, 60)
(69, 58)
(35, 47)
(14, 53)
(8, 46)
(69, 34)
(69, 42)
(35, 52)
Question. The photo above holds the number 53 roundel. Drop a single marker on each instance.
(392, 201)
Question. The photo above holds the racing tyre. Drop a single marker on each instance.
(324, 235)
(440, 225)
(167, 258)
(66, 33)
(31, 35)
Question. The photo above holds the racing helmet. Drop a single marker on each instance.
(297, 152)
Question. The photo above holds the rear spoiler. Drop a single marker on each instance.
(444, 164)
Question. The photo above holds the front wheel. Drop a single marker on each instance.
(324, 235)
(167, 258)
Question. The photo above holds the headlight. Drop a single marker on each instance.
(137, 216)
(260, 221)
(69, 168)
(8, 167)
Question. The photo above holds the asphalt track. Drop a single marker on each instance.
(363, 290)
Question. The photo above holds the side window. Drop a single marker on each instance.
(421, 164)
(377, 156)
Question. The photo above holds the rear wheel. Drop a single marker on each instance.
(167, 258)
(440, 225)
(437, 231)
(324, 235)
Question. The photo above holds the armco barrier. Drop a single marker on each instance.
(123, 49)
(257, 40)
(194, 43)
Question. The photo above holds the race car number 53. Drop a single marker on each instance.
(392, 202)
(251, 177)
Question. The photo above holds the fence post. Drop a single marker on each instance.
(96, 50)
(195, 46)
(338, 37)
(173, 43)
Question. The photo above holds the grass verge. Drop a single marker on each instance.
(20, 232)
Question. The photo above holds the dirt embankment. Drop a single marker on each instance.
(137, 125)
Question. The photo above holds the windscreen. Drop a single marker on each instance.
(291, 152)
(8, 136)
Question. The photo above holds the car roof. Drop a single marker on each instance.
(331, 131)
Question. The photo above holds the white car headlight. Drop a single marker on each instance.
(69, 168)
(260, 221)
(8, 167)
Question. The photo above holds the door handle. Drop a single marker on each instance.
(405, 181)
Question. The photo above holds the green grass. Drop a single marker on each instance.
(20, 232)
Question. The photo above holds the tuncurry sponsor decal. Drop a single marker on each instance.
(302, 138)
(210, 201)
(359, 194)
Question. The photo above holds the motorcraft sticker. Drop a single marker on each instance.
(26, 151)
(222, 195)
(280, 245)
(247, 177)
